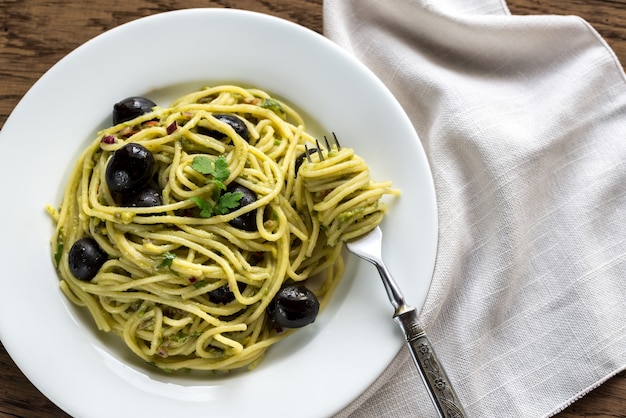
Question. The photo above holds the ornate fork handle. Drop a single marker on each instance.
(439, 388)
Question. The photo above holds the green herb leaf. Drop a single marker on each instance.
(200, 283)
(220, 185)
(222, 171)
(218, 169)
(205, 206)
(216, 195)
(274, 106)
(59, 252)
(168, 258)
(203, 165)
(226, 202)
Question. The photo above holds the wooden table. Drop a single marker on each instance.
(35, 34)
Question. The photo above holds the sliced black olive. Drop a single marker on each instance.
(144, 198)
(130, 108)
(247, 221)
(223, 294)
(234, 121)
(300, 158)
(85, 258)
(130, 168)
(294, 306)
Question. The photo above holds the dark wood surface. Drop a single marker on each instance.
(35, 34)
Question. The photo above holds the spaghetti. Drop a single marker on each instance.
(182, 283)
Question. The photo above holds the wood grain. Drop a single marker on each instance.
(35, 34)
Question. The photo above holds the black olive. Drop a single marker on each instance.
(144, 198)
(234, 121)
(130, 108)
(85, 258)
(300, 158)
(256, 258)
(223, 294)
(130, 168)
(247, 221)
(294, 306)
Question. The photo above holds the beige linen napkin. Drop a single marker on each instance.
(523, 120)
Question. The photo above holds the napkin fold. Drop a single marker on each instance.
(523, 120)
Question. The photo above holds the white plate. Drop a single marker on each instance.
(320, 369)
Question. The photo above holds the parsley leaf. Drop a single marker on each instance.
(202, 164)
(219, 168)
(59, 251)
(274, 106)
(205, 206)
(168, 258)
(199, 284)
(226, 202)
(220, 171)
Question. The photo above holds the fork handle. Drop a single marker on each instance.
(439, 388)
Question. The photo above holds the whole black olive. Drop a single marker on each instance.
(300, 158)
(85, 258)
(130, 168)
(130, 108)
(247, 221)
(144, 198)
(234, 121)
(223, 294)
(294, 306)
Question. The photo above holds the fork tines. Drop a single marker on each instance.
(329, 147)
(335, 142)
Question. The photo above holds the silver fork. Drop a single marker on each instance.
(369, 248)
